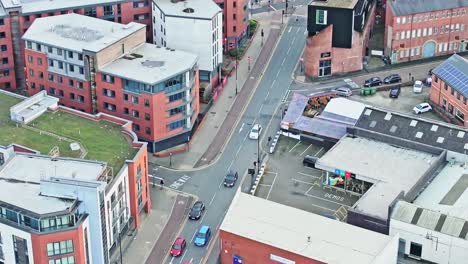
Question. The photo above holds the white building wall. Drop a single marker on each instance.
(7, 232)
(389, 254)
(191, 35)
(436, 247)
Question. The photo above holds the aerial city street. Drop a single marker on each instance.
(233, 131)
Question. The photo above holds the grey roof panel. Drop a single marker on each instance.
(454, 71)
(406, 7)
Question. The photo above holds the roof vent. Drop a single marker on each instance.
(172, 49)
(461, 134)
(434, 128)
(413, 123)
(388, 116)
(393, 129)
(440, 140)
(368, 112)
(188, 10)
(373, 123)
(419, 134)
(158, 47)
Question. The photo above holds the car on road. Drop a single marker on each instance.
(395, 91)
(343, 91)
(394, 78)
(178, 247)
(309, 161)
(374, 81)
(203, 236)
(197, 210)
(230, 179)
(417, 87)
(422, 108)
(255, 131)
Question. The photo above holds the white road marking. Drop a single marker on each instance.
(261, 107)
(204, 213)
(242, 127)
(272, 7)
(297, 31)
(194, 235)
(238, 150)
(278, 73)
(308, 175)
(320, 150)
(284, 59)
(307, 192)
(182, 258)
(306, 149)
(271, 188)
(295, 146)
(272, 84)
(323, 199)
(230, 165)
(191, 260)
(267, 94)
(212, 199)
(289, 29)
(289, 49)
(170, 262)
(309, 183)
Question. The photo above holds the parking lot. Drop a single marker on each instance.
(405, 102)
(288, 182)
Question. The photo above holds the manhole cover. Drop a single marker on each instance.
(213, 113)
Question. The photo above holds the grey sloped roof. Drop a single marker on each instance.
(454, 71)
(406, 7)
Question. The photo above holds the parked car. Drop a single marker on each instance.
(309, 161)
(230, 179)
(197, 210)
(394, 78)
(178, 247)
(395, 91)
(417, 87)
(374, 81)
(343, 91)
(255, 131)
(203, 236)
(422, 108)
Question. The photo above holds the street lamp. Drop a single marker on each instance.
(237, 57)
(170, 159)
(258, 154)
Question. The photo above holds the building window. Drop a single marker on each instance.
(90, 11)
(126, 111)
(30, 59)
(79, 85)
(177, 110)
(71, 83)
(136, 127)
(50, 77)
(2, 35)
(39, 61)
(452, 91)
(320, 17)
(51, 91)
(108, 10)
(445, 86)
(80, 56)
(31, 73)
(51, 63)
(147, 116)
(71, 67)
(176, 96)
(110, 107)
(41, 75)
(60, 93)
(107, 78)
(60, 248)
(64, 260)
(136, 114)
(125, 96)
(2, 22)
(134, 99)
(29, 44)
(59, 52)
(4, 60)
(147, 102)
(415, 250)
(49, 49)
(81, 70)
(324, 68)
(60, 79)
(148, 130)
(234, 17)
(177, 124)
(108, 93)
(70, 54)
(80, 98)
(72, 96)
(60, 65)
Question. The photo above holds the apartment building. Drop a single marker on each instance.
(194, 26)
(236, 16)
(449, 89)
(18, 16)
(60, 209)
(95, 65)
(338, 36)
(423, 29)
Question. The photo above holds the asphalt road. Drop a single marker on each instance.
(240, 151)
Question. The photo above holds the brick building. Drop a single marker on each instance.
(338, 35)
(449, 89)
(94, 65)
(17, 17)
(60, 208)
(256, 230)
(422, 29)
(236, 16)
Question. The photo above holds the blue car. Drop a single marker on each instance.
(203, 236)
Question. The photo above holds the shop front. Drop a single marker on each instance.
(347, 181)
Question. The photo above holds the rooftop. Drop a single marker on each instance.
(41, 6)
(151, 64)
(454, 71)
(102, 140)
(77, 32)
(206, 9)
(266, 221)
(384, 165)
(430, 219)
(348, 4)
(406, 7)
(447, 193)
(428, 132)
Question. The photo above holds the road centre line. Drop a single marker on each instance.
(212, 199)
(238, 150)
(183, 256)
(306, 149)
(242, 127)
(277, 74)
(284, 59)
(299, 142)
(194, 235)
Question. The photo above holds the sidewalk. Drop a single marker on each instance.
(137, 248)
(214, 120)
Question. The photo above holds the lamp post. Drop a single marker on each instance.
(258, 154)
(282, 15)
(237, 57)
(262, 36)
(170, 159)
(249, 59)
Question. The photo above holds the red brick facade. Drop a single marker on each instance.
(251, 251)
(453, 102)
(7, 66)
(236, 20)
(423, 35)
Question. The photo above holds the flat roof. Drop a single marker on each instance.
(429, 132)
(454, 71)
(270, 223)
(430, 219)
(77, 32)
(348, 4)
(151, 65)
(406, 7)
(447, 193)
(33, 168)
(345, 107)
(41, 6)
(205, 9)
(386, 166)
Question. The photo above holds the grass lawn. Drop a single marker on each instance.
(103, 140)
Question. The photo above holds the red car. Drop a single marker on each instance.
(178, 247)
